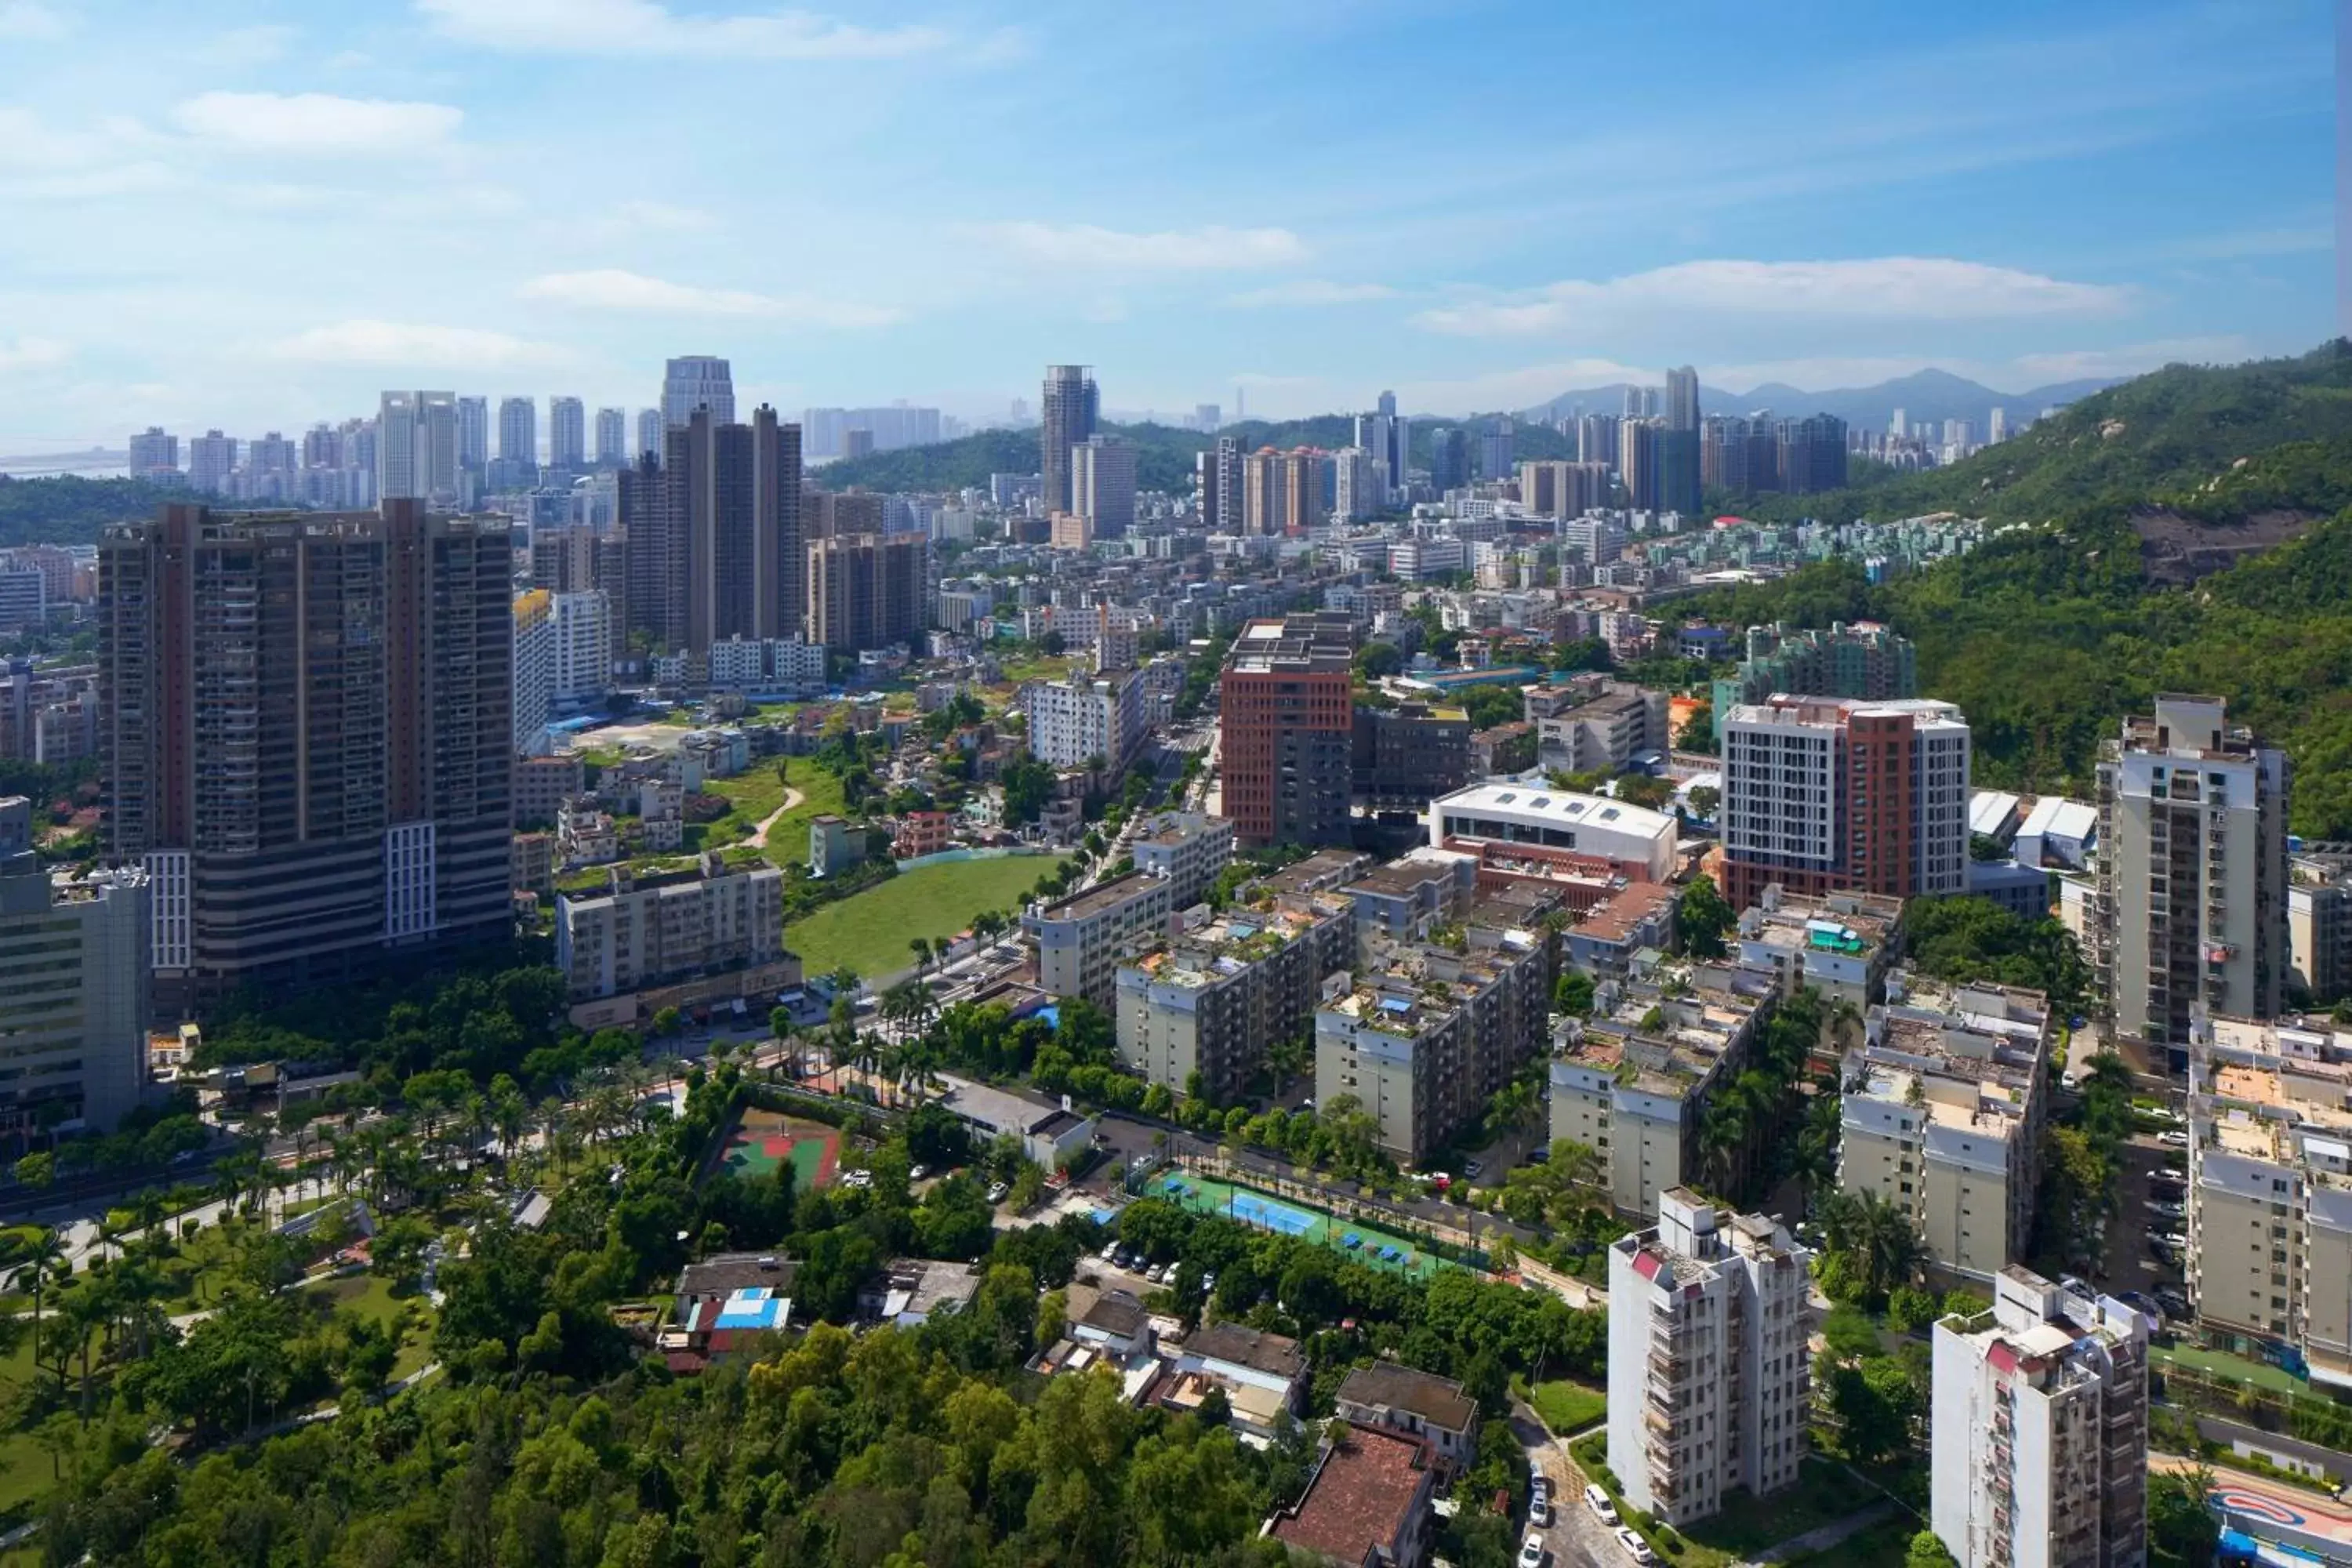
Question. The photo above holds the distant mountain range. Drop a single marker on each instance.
(1928, 394)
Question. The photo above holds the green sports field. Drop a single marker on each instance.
(869, 931)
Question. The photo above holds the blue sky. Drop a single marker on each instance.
(256, 216)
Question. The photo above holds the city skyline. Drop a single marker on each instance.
(406, 198)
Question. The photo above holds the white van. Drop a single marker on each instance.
(1598, 1501)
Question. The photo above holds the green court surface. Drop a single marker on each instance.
(763, 1140)
(1359, 1242)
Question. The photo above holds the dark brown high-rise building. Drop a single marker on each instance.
(306, 737)
(867, 590)
(715, 539)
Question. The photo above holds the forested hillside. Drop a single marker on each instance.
(1163, 453)
(70, 509)
(2056, 627)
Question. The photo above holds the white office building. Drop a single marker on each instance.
(1710, 1374)
(2040, 1430)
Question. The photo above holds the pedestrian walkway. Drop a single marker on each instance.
(1827, 1536)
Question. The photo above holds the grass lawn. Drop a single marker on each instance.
(371, 1297)
(868, 931)
(788, 840)
(1568, 1407)
(2221, 1364)
(1825, 1493)
(751, 793)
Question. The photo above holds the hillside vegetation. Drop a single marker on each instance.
(2062, 624)
(70, 509)
(1163, 453)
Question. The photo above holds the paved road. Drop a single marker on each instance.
(1574, 1538)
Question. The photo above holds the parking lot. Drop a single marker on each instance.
(2132, 1260)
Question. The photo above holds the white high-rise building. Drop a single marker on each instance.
(567, 433)
(518, 432)
(416, 447)
(1997, 425)
(1710, 1374)
(1358, 491)
(612, 437)
(697, 381)
(583, 648)
(212, 458)
(2191, 906)
(1102, 485)
(474, 434)
(75, 953)
(2040, 1430)
(1823, 792)
(155, 456)
(1075, 720)
(534, 667)
(649, 433)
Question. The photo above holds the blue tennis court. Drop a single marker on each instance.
(1264, 1213)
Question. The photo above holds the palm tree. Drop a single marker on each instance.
(921, 946)
(1722, 1134)
(48, 1254)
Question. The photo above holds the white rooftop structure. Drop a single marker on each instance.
(1992, 811)
(1562, 819)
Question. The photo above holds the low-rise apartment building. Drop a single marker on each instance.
(1403, 900)
(1196, 1011)
(1942, 1116)
(1631, 1082)
(1598, 726)
(645, 928)
(1186, 849)
(1839, 943)
(1709, 1374)
(1079, 938)
(1431, 1031)
(2039, 1430)
(2269, 1186)
(1406, 1399)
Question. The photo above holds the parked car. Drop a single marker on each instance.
(2175, 1137)
(996, 1192)
(1539, 1509)
(1472, 1170)
(1539, 1156)
(2171, 1238)
(1635, 1547)
(2168, 1211)
(918, 1172)
(1531, 1552)
(1598, 1501)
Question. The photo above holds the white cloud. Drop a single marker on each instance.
(2128, 359)
(27, 141)
(1311, 291)
(614, 289)
(25, 353)
(30, 19)
(257, 46)
(640, 27)
(316, 122)
(1081, 245)
(373, 342)
(1893, 288)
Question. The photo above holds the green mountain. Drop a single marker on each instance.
(70, 509)
(1163, 453)
(2188, 532)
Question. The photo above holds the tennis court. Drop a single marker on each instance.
(763, 1140)
(1365, 1244)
